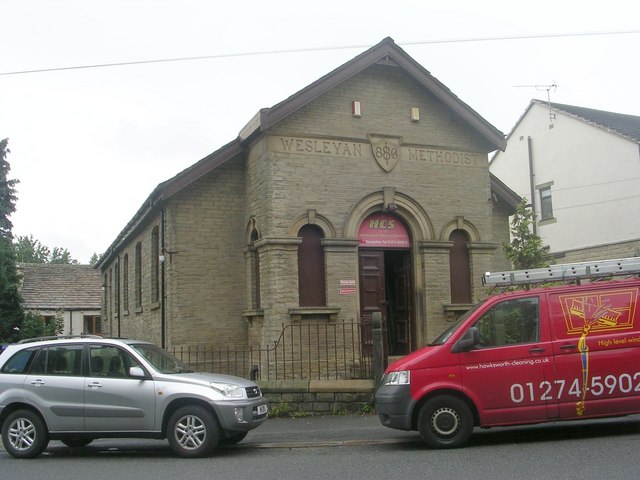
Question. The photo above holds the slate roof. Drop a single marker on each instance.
(47, 286)
(625, 125)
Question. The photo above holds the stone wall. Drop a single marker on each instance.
(319, 397)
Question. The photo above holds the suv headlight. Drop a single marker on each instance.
(401, 377)
(229, 390)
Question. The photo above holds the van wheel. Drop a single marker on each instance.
(445, 422)
(24, 434)
(193, 432)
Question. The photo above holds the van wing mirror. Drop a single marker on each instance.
(469, 339)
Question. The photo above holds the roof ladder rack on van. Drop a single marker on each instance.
(565, 272)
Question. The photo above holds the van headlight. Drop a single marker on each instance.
(401, 377)
(228, 390)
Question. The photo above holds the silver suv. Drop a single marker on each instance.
(77, 389)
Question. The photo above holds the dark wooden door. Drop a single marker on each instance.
(372, 292)
(385, 286)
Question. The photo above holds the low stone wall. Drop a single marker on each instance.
(318, 397)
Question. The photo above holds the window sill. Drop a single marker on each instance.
(455, 310)
(253, 315)
(548, 221)
(314, 313)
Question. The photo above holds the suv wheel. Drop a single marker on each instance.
(193, 431)
(24, 434)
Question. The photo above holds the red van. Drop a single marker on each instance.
(546, 354)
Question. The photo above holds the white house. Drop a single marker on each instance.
(580, 169)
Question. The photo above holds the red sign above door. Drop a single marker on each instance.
(383, 230)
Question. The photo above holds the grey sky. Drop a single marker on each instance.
(89, 145)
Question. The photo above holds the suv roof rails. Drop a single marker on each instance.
(56, 337)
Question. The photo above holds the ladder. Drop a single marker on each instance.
(564, 272)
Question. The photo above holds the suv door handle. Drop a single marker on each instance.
(537, 350)
(37, 383)
(570, 346)
(95, 385)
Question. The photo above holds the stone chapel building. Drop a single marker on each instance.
(368, 190)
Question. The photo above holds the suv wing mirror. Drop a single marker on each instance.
(137, 372)
(469, 339)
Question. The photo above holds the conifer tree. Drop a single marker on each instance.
(11, 314)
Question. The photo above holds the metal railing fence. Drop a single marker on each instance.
(303, 351)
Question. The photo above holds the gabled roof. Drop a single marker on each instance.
(511, 198)
(627, 126)
(49, 286)
(386, 52)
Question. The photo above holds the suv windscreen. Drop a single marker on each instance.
(160, 359)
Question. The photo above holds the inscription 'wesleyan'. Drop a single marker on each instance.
(321, 147)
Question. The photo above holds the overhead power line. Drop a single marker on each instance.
(318, 49)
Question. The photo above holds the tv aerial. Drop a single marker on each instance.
(544, 88)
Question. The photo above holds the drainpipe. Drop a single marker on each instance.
(162, 286)
(119, 299)
(532, 186)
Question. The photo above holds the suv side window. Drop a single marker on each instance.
(20, 362)
(511, 322)
(110, 361)
(63, 360)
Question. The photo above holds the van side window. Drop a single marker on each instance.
(510, 322)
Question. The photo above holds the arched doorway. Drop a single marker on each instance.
(386, 280)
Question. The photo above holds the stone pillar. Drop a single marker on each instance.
(437, 287)
(341, 260)
(278, 283)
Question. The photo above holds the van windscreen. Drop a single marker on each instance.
(444, 336)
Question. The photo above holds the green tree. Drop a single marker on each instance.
(526, 249)
(11, 314)
(95, 258)
(61, 255)
(8, 195)
(30, 250)
(35, 325)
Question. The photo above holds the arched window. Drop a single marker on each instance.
(125, 282)
(256, 269)
(155, 265)
(116, 287)
(311, 275)
(138, 276)
(460, 267)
